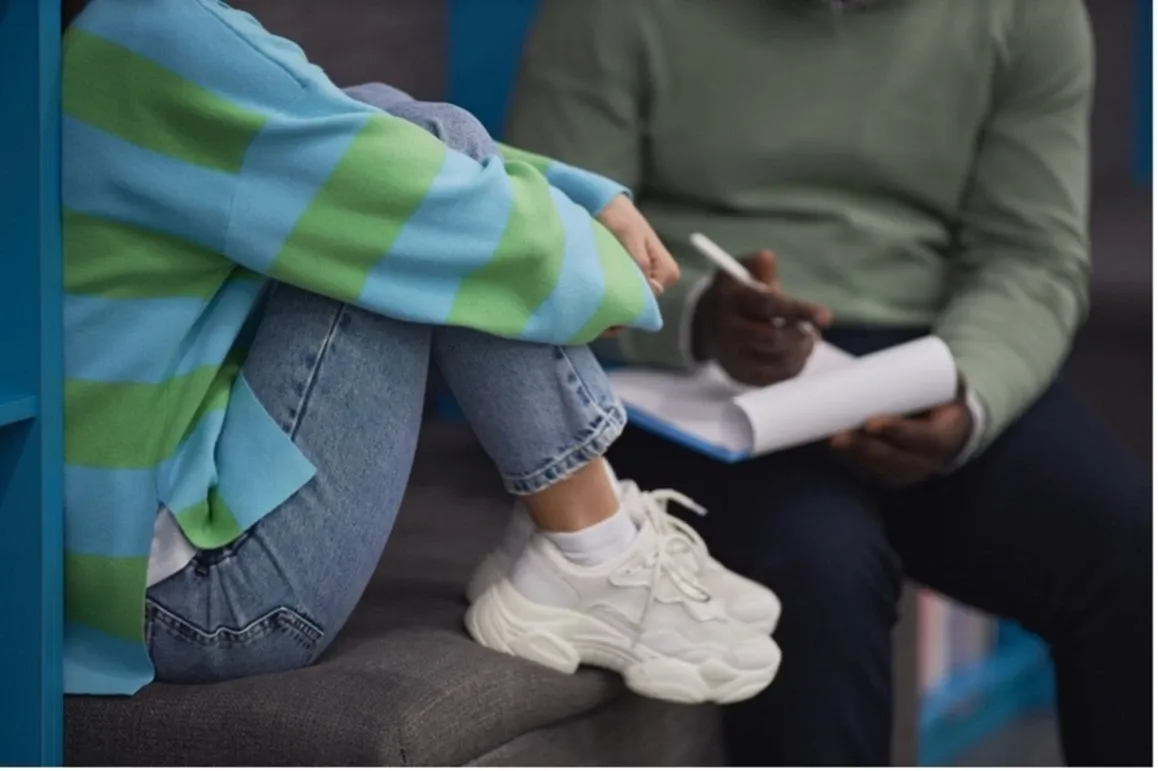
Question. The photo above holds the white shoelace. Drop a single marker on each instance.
(673, 538)
(681, 537)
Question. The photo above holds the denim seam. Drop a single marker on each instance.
(615, 405)
(596, 438)
(604, 431)
(306, 633)
(311, 379)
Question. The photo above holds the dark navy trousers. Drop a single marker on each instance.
(1050, 527)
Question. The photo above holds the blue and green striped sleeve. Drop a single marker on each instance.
(369, 209)
(255, 154)
(590, 190)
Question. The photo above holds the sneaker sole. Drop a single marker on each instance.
(505, 621)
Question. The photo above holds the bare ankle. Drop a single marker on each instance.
(583, 499)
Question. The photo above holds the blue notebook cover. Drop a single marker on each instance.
(659, 427)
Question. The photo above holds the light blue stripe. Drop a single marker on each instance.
(591, 191)
(649, 318)
(453, 233)
(151, 340)
(579, 290)
(258, 465)
(217, 48)
(285, 166)
(184, 480)
(109, 512)
(105, 176)
(99, 665)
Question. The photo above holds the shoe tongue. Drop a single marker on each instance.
(633, 502)
(647, 532)
(644, 545)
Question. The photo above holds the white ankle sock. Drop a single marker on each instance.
(520, 528)
(597, 543)
(519, 531)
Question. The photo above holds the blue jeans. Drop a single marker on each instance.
(348, 387)
(453, 125)
(1050, 527)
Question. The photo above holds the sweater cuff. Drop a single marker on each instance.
(977, 437)
(687, 316)
(670, 347)
(590, 190)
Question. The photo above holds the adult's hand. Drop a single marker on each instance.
(639, 239)
(759, 337)
(901, 452)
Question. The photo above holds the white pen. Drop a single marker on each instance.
(734, 268)
(726, 262)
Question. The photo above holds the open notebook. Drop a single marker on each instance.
(709, 413)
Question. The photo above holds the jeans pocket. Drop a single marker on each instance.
(183, 652)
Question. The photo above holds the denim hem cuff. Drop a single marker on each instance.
(593, 442)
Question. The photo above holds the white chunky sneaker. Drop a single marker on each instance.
(642, 614)
(745, 600)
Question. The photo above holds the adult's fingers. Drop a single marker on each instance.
(760, 336)
(764, 268)
(753, 372)
(888, 463)
(764, 306)
(792, 343)
(916, 435)
(936, 434)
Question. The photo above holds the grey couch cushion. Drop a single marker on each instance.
(402, 684)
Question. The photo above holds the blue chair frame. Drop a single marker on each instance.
(31, 520)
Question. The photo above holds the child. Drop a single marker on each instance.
(259, 269)
(750, 603)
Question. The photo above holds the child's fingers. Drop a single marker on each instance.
(664, 269)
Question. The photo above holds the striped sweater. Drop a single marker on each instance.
(202, 158)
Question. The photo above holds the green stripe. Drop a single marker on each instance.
(209, 524)
(138, 425)
(538, 162)
(114, 260)
(358, 213)
(153, 107)
(501, 296)
(623, 292)
(106, 593)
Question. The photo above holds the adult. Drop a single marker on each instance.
(916, 167)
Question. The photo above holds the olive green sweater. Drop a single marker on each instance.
(918, 163)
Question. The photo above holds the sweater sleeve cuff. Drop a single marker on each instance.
(977, 436)
(590, 190)
(671, 346)
(688, 314)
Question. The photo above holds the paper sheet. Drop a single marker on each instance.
(834, 393)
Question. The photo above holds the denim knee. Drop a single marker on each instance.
(541, 412)
(456, 127)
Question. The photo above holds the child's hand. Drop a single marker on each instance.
(641, 242)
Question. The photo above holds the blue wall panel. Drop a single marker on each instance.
(485, 44)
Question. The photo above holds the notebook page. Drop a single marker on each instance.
(694, 404)
(901, 380)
